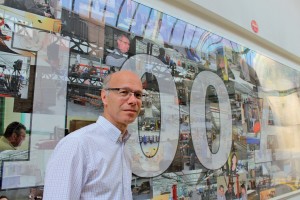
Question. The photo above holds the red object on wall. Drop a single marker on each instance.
(256, 127)
(254, 26)
(238, 186)
(174, 192)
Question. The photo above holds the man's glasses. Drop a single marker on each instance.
(125, 42)
(126, 93)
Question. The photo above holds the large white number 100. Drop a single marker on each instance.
(198, 120)
(169, 133)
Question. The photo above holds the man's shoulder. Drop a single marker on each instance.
(83, 130)
(80, 134)
(116, 55)
(4, 145)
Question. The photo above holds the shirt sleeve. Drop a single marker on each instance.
(108, 59)
(65, 171)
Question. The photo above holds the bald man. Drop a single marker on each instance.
(91, 163)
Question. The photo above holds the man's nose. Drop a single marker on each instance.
(132, 98)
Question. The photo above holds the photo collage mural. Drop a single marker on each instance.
(218, 119)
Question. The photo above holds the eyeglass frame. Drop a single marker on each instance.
(125, 42)
(135, 93)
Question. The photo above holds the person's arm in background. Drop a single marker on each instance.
(197, 57)
(189, 54)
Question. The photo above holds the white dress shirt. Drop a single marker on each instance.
(90, 163)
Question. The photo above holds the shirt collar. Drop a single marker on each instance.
(112, 131)
(118, 52)
(124, 137)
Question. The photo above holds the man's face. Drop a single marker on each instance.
(167, 58)
(234, 160)
(118, 109)
(243, 191)
(18, 139)
(230, 188)
(222, 191)
(123, 44)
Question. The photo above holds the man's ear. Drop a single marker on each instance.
(118, 43)
(104, 96)
(14, 136)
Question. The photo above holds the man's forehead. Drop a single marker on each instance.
(23, 131)
(124, 38)
(125, 76)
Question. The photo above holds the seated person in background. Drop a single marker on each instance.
(169, 61)
(161, 56)
(119, 55)
(221, 194)
(243, 195)
(75, 69)
(92, 69)
(192, 55)
(13, 136)
(28, 6)
(229, 194)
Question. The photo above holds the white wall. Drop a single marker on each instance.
(278, 21)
